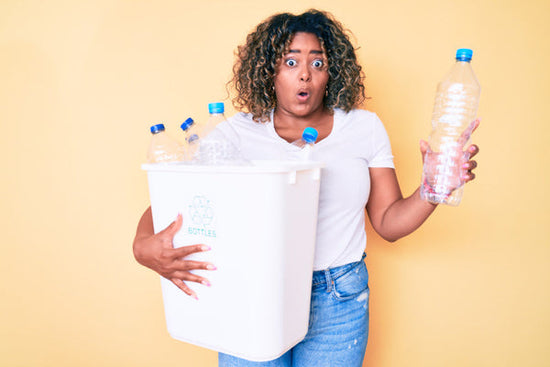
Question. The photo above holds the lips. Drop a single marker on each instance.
(302, 95)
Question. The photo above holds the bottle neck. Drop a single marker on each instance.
(216, 117)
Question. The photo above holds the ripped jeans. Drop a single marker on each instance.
(338, 323)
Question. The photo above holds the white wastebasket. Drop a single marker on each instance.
(260, 222)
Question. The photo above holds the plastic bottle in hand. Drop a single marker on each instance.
(453, 118)
(306, 143)
(162, 147)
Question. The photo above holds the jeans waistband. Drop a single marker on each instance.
(326, 276)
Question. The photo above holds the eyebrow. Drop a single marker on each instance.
(317, 52)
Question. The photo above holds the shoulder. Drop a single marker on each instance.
(246, 119)
(358, 120)
(357, 115)
(243, 124)
(240, 118)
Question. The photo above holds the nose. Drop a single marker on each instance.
(305, 74)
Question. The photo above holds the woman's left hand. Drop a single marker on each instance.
(470, 152)
(468, 164)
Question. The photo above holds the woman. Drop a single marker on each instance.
(294, 72)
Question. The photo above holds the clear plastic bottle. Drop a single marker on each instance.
(191, 135)
(216, 111)
(454, 112)
(306, 143)
(214, 147)
(162, 147)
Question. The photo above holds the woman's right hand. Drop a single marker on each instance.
(157, 252)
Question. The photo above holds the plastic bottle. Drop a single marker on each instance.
(454, 112)
(214, 148)
(191, 135)
(216, 111)
(162, 147)
(306, 143)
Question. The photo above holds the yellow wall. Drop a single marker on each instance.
(80, 83)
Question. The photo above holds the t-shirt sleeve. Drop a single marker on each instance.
(380, 154)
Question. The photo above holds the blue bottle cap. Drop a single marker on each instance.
(187, 124)
(217, 107)
(464, 54)
(157, 128)
(310, 135)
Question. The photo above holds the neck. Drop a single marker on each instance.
(290, 127)
(282, 119)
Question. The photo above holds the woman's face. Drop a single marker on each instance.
(301, 77)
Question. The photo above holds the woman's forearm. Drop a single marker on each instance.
(404, 216)
(391, 215)
(144, 230)
(145, 225)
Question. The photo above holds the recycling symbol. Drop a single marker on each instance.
(201, 212)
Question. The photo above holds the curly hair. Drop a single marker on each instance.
(257, 60)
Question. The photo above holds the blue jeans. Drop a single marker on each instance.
(338, 323)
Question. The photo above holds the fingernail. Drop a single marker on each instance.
(205, 248)
(206, 283)
(195, 297)
(465, 166)
(211, 267)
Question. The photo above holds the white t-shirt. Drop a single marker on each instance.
(357, 141)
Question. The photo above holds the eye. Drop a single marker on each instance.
(318, 63)
(290, 62)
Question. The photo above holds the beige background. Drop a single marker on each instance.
(81, 82)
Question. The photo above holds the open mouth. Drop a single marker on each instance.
(303, 95)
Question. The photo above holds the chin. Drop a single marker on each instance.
(305, 110)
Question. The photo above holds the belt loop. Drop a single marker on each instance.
(329, 280)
